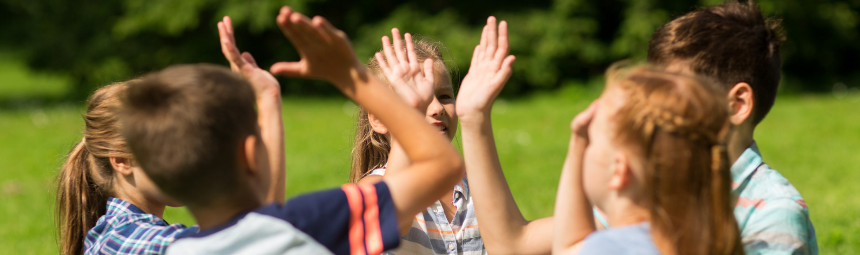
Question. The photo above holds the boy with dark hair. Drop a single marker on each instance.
(735, 45)
(194, 130)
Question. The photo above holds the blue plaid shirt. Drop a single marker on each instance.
(126, 229)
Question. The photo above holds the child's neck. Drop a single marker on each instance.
(130, 194)
(626, 214)
(739, 139)
(221, 212)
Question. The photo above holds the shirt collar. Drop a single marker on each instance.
(746, 165)
(116, 206)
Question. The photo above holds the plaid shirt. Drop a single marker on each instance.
(771, 214)
(431, 232)
(125, 229)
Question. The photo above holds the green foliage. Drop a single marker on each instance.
(556, 41)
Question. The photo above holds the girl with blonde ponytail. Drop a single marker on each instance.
(100, 187)
(651, 154)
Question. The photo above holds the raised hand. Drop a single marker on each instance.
(400, 66)
(244, 64)
(488, 72)
(580, 123)
(325, 51)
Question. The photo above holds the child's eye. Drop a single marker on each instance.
(444, 97)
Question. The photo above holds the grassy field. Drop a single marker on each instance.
(813, 140)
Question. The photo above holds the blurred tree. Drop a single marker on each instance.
(556, 41)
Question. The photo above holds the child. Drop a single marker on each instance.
(105, 203)
(449, 225)
(742, 56)
(101, 181)
(738, 47)
(194, 130)
(650, 154)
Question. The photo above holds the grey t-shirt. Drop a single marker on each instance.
(633, 239)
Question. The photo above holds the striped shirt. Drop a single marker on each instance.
(432, 233)
(771, 214)
(352, 219)
(126, 229)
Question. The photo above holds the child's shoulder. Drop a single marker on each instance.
(251, 233)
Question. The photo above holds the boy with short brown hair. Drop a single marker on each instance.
(737, 46)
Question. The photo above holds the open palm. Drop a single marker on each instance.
(400, 66)
(488, 72)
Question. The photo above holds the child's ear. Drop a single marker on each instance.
(621, 172)
(121, 165)
(741, 103)
(376, 124)
(248, 154)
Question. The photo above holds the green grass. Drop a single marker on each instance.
(812, 140)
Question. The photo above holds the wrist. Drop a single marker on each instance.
(473, 118)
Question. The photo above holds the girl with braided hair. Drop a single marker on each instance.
(649, 153)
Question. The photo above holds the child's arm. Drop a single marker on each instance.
(574, 219)
(268, 95)
(326, 54)
(503, 228)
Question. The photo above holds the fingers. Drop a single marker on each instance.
(410, 53)
(317, 23)
(228, 44)
(583, 119)
(426, 88)
(306, 30)
(248, 58)
(389, 53)
(289, 68)
(476, 55)
(502, 49)
(288, 28)
(502, 76)
(492, 37)
(398, 46)
(382, 63)
(229, 23)
(429, 74)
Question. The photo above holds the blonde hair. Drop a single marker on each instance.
(86, 178)
(370, 149)
(678, 125)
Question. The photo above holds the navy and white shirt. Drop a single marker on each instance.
(353, 219)
(126, 229)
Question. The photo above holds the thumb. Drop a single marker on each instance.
(289, 68)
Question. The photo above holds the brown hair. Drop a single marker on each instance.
(731, 43)
(183, 125)
(86, 179)
(370, 149)
(678, 124)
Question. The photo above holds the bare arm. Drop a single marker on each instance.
(503, 228)
(327, 54)
(268, 95)
(574, 219)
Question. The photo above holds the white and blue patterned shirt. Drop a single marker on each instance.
(126, 229)
(431, 232)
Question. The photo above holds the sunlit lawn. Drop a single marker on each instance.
(812, 140)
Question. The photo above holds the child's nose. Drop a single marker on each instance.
(435, 108)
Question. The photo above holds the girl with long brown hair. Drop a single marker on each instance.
(449, 226)
(651, 155)
(100, 187)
